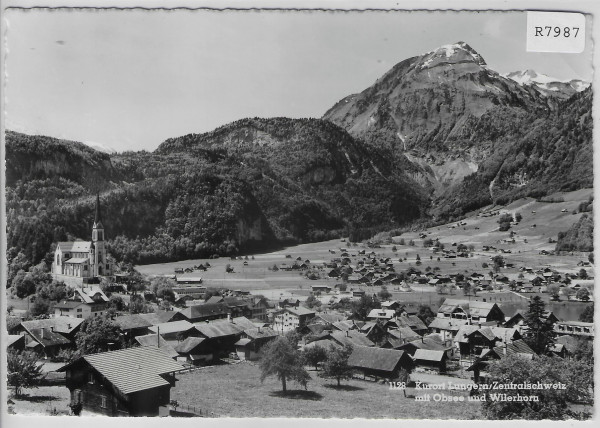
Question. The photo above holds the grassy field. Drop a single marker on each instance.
(236, 391)
(42, 400)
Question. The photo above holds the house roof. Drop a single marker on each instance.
(218, 328)
(75, 246)
(428, 355)
(331, 317)
(381, 313)
(64, 325)
(193, 277)
(215, 299)
(205, 310)
(255, 333)
(411, 321)
(431, 342)
(451, 324)
(473, 307)
(243, 342)
(374, 358)
(91, 294)
(172, 327)
(68, 304)
(299, 311)
(151, 340)
(516, 347)
(128, 322)
(570, 343)
(132, 369)
(403, 333)
(345, 325)
(13, 338)
(189, 344)
(243, 322)
(159, 317)
(351, 337)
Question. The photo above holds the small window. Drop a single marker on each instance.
(91, 377)
(79, 310)
(79, 316)
(103, 403)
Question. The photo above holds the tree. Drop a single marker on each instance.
(518, 217)
(163, 288)
(583, 294)
(553, 291)
(40, 306)
(467, 288)
(312, 301)
(498, 262)
(588, 314)
(314, 355)
(137, 304)
(425, 314)
(281, 359)
(97, 334)
(116, 302)
(362, 307)
(384, 294)
(336, 365)
(551, 403)
(583, 274)
(540, 333)
(23, 370)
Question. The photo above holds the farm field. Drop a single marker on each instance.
(236, 391)
(479, 230)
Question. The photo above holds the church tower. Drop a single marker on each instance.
(99, 263)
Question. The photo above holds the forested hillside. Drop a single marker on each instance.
(249, 185)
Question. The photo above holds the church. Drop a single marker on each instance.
(78, 262)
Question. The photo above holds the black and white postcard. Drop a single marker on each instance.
(278, 211)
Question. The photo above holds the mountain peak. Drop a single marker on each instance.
(459, 52)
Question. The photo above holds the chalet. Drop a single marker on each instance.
(175, 331)
(374, 330)
(222, 335)
(358, 293)
(237, 307)
(327, 318)
(346, 325)
(132, 326)
(390, 305)
(157, 341)
(258, 308)
(378, 362)
(471, 340)
(518, 347)
(381, 314)
(286, 303)
(475, 311)
(575, 328)
(251, 342)
(407, 320)
(15, 342)
(85, 303)
(320, 288)
(205, 312)
(431, 342)
(569, 344)
(399, 336)
(350, 338)
(195, 350)
(430, 360)
(128, 382)
(48, 336)
(288, 319)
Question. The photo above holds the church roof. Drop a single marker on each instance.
(75, 246)
(78, 260)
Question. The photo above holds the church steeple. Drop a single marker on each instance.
(98, 216)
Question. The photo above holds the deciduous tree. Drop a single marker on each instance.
(281, 359)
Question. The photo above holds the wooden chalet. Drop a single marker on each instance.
(430, 360)
(251, 342)
(379, 363)
(128, 382)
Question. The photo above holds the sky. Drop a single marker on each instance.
(131, 79)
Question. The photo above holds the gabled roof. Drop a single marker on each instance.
(331, 317)
(157, 341)
(128, 322)
(403, 333)
(570, 343)
(516, 347)
(345, 325)
(132, 369)
(430, 342)
(472, 307)
(205, 310)
(428, 355)
(218, 328)
(13, 338)
(68, 304)
(214, 299)
(243, 322)
(172, 327)
(64, 325)
(255, 333)
(91, 294)
(451, 324)
(189, 344)
(160, 317)
(375, 358)
(299, 311)
(75, 246)
(381, 313)
(351, 337)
